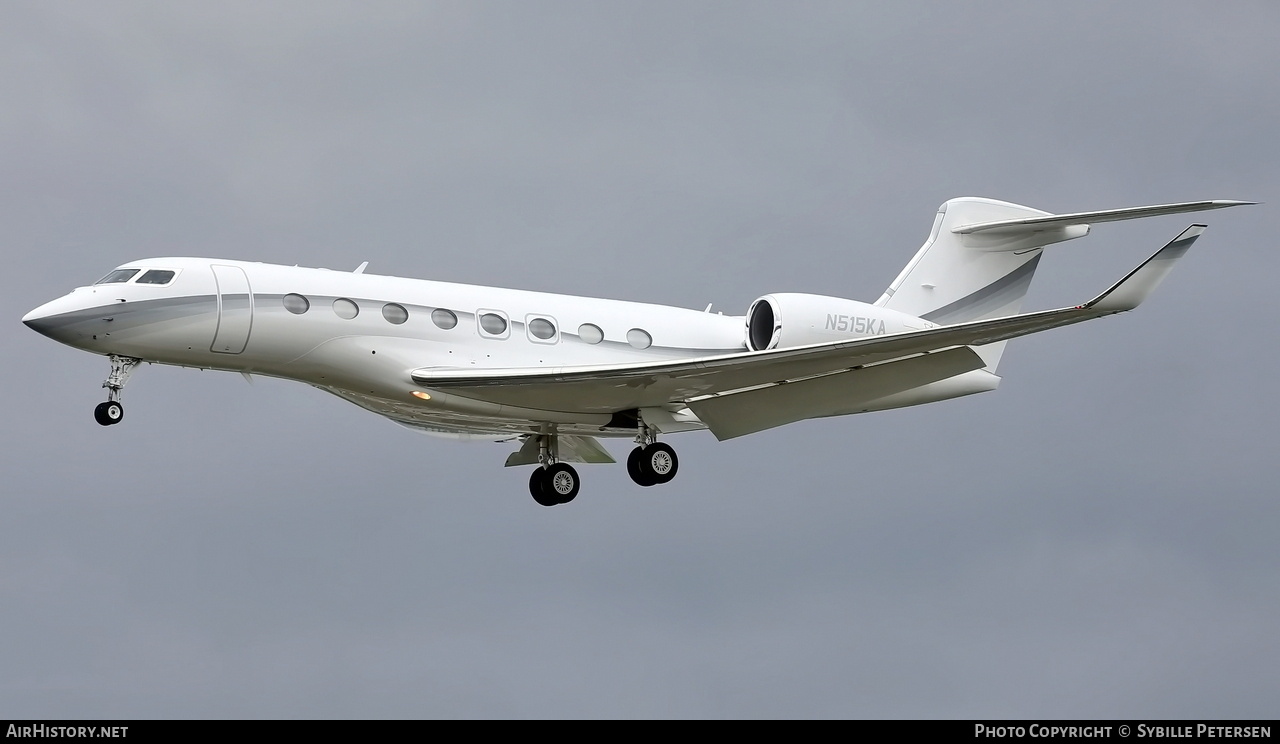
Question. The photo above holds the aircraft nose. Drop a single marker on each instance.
(55, 319)
(38, 319)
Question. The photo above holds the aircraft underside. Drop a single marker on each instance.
(550, 447)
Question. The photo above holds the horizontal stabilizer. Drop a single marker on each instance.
(1033, 224)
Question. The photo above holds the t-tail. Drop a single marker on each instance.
(981, 255)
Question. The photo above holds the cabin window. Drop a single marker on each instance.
(395, 314)
(590, 333)
(296, 304)
(492, 324)
(157, 276)
(444, 319)
(119, 276)
(639, 338)
(345, 309)
(541, 329)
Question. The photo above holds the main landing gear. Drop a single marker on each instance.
(552, 483)
(651, 462)
(111, 412)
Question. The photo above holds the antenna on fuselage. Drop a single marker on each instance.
(360, 268)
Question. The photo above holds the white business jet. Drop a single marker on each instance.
(556, 372)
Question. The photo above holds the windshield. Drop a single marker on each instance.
(156, 276)
(119, 276)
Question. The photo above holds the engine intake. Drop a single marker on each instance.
(764, 326)
(779, 321)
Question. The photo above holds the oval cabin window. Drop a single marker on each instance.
(296, 304)
(444, 319)
(394, 314)
(542, 328)
(639, 338)
(493, 324)
(345, 309)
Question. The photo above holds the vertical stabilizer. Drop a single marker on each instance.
(959, 277)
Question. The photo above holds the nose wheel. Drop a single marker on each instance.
(108, 413)
(112, 411)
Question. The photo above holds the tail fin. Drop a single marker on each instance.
(981, 255)
(955, 277)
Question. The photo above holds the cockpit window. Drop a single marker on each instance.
(156, 276)
(119, 276)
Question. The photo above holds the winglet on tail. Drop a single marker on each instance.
(1130, 291)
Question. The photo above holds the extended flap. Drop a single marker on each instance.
(736, 414)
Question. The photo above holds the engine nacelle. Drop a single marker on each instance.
(779, 321)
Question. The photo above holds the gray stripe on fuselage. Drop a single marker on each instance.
(140, 312)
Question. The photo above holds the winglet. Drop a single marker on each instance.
(1130, 291)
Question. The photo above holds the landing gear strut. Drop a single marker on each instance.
(111, 412)
(651, 462)
(552, 483)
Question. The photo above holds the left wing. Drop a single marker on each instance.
(604, 389)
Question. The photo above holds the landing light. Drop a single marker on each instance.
(420, 394)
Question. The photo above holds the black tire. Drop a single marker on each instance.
(538, 487)
(108, 413)
(561, 483)
(636, 472)
(659, 462)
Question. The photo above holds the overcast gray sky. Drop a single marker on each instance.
(1096, 539)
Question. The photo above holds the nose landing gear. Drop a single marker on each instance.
(111, 412)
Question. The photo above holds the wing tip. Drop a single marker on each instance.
(1138, 284)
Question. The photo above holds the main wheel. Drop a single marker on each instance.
(637, 473)
(539, 489)
(660, 460)
(561, 482)
(108, 413)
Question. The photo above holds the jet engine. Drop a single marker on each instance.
(779, 321)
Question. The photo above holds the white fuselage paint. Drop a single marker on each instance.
(233, 315)
(202, 319)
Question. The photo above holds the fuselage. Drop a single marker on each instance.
(360, 335)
